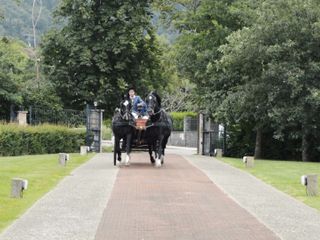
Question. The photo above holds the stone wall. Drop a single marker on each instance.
(183, 139)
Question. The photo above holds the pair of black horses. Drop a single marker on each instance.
(155, 135)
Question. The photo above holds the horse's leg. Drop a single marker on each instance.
(164, 144)
(117, 147)
(159, 151)
(151, 148)
(114, 152)
(128, 148)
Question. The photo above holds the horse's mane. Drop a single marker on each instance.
(157, 97)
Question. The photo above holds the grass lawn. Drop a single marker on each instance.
(283, 175)
(43, 173)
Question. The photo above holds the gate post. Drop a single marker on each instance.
(12, 114)
(22, 118)
(94, 126)
(87, 112)
(200, 134)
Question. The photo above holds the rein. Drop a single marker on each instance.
(161, 110)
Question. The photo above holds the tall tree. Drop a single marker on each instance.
(35, 16)
(104, 47)
(271, 71)
(14, 65)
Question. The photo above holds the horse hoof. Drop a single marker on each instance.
(127, 161)
(158, 163)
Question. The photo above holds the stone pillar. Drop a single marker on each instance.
(22, 117)
(83, 150)
(249, 161)
(63, 158)
(218, 152)
(17, 187)
(94, 125)
(312, 185)
(200, 134)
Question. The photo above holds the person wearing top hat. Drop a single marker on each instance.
(139, 107)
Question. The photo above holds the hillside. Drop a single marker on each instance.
(17, 18)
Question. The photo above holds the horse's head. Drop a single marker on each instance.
(125, 109)
(153, 103)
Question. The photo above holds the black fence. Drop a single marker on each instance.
(213, 136)
(90, 118)
(68, 117)
(213, 140)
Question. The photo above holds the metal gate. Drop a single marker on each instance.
(212, 136)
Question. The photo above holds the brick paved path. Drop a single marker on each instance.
(177, 201)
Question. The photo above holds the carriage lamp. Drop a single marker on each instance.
(95, 104)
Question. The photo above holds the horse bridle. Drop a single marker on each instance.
(127, 112)
(152, 97)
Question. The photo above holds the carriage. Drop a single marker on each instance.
(141, 134)
(138, 142)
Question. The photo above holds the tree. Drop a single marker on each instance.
(35, 16)
(270, 72)
(104, 47)
(177, 96)
(204, 26)
(17, 20)
(14, 65)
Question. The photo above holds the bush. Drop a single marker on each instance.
(178, 118)
(23, 140)
(107, 122)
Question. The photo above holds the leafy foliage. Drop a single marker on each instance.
(273, 68)
(16, 20)
(15, 140)
(14, 63)
(255, 65)
(17, 83)
(105, 47)
(178, 119)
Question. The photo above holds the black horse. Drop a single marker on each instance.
(157, 135)
(123, 128)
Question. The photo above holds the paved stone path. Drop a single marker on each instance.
(191, 197)
(175, 202)
(72, 210)
(284, 215)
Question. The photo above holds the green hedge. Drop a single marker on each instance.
(178, 118)
(23, 140)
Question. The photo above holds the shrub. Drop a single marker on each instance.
(107, 122)
(178, 118)
(24, 140)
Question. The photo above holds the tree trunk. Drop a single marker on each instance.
(258, 147)
(35, 18)
(305, 146)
